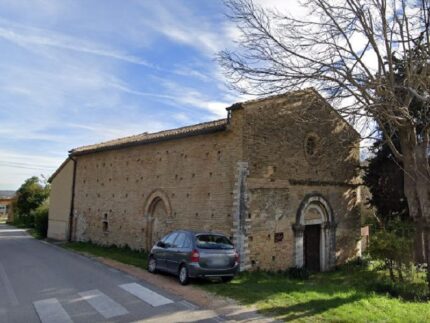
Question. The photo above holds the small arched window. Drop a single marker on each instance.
(311, 147)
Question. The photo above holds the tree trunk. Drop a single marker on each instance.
(417, 186)
(419, 246)
(427, 252)
(399, 271)
(389, 265)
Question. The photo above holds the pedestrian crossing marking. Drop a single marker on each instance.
(51, 311)
(146, 295)
(103, 304)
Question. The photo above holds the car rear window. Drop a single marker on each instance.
(213, 241)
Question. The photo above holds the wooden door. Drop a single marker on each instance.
(312, 238)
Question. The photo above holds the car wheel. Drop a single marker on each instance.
(184, 279)
(152, 265)
(227, 279)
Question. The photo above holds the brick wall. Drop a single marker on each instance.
(195, 175)
(281, 175)
(248, 181)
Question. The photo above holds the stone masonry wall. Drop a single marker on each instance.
(281, 174)
(247, 182)
(196, 174)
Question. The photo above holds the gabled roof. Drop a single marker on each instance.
(298, 93)
(58, 169)
(193, 130)
(294, 94)
(146, 138)
(188, 131)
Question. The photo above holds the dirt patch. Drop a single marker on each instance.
(168, 283)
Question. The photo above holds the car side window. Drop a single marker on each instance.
(188, 244)
(179, 242)
(165, 238)
(170, 239)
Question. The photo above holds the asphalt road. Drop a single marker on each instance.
(40, 282)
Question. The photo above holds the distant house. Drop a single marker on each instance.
(278, 176)
(6, 205)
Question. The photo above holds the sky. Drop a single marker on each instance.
(78, 72)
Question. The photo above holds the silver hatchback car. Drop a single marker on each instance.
(191, 254)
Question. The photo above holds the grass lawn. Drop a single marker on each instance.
(340, 296)
(121, 254)
(345, 295)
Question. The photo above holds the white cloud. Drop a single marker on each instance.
(27, 37)
(15, 167)
(181, 117)
(181, 25)
(189, 97)
(188, 71)
(112, 130)
(72, 74)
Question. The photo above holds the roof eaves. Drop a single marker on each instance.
(218, 125)
(240, 105)
(235, 106)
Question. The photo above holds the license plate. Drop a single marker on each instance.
(218, 262)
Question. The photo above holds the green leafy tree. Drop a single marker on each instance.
(384, 178)
(41, 219)
(32, 194)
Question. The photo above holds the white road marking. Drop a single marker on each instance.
(146, 294)
(103, 304)
(8, 287)
(51, 311)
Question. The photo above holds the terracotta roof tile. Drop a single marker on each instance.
(144, 138)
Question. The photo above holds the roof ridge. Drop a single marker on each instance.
(237, 105)
(149, 137)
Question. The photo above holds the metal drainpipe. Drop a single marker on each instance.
(72, 202)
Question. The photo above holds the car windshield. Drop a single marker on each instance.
(213, 241)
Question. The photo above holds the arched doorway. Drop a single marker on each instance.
(158, 215)
(315, 234)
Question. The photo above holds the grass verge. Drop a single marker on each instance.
(34, 233)
(121, 254)
(346, 295)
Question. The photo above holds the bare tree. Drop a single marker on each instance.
(371, 58)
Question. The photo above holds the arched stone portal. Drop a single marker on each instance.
(315, 234)
(157, 213)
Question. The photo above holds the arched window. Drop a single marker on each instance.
(158, 211)
(312, 147)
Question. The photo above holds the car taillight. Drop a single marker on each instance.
(195, 256)
(236, 256)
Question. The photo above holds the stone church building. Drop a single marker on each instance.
(277, 175)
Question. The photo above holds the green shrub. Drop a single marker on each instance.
(358, 263)
(24, 221)
(41, 221)
(393, 245)
(408, 290)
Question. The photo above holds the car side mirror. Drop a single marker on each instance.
(161, 244)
